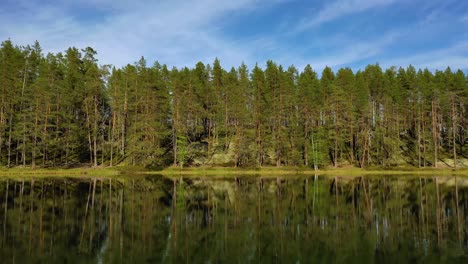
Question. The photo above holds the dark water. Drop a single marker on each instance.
(243, 220)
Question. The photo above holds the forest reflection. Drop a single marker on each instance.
(234, 220)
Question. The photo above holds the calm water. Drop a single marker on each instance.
(244, 220)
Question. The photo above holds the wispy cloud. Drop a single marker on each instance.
(338, 9)
(181, 33)
(347, 52)
(454, 56)
(464, 18)
(392, 47)
(175, 32)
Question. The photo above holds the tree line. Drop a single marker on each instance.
(65, 109)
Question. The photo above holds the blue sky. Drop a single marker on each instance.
(337, 33)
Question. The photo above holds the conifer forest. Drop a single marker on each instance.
(67, 109)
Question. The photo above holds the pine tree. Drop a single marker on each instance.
(260, 114)
(66, 110)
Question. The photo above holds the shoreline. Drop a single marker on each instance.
(227, 171)
(273, 171)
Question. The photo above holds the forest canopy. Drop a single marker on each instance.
(65, 109)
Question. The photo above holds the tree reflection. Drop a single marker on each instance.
(246, 219)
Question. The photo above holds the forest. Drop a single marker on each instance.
(67, 109)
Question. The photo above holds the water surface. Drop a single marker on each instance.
(285, 219)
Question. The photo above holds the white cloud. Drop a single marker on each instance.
(338, 9)
(455, 56)
(347, 52)
(175, 32)
(180, 33)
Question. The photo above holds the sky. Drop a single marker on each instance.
(337, 33)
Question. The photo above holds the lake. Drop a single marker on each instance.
(245, 219)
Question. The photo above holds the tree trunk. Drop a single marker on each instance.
(2, 120)
(434, 130)
(423, 140)
(419, 143)
(335, 152)
(124, 122)
(259, 146)
(23, 150)
(226, 121)
(9, 139)
(454, 128)
(88, 126)
(95, 129)
(111, 139)
(351, 142)
(36, 123)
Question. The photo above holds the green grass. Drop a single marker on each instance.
(126, 171)
(58, 172)
(273, 171)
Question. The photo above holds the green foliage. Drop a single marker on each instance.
(64, 110)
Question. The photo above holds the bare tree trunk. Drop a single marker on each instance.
(306, 156)
(419, 142)
(259, 146)
(124, 121)
(57, 126)
(226, 145)
(454, 128)
(351, 141)
(88, 126)
(174, 132)
(95, 129)
(44, 134)
(314, 153)
(236, 145)
(111, 139)
(9, 139)
(434, 131)
(423, 140)
(23, 150)
(365, 148)
(36, 122)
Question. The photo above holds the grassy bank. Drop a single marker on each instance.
(224, 171)
(351, 171)
(41, 172)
